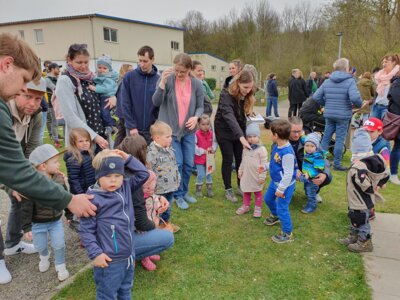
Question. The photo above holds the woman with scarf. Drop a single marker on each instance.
(390, 64)
(79, 105)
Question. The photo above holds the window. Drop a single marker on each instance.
(39, 36)
(21, 34)
(222, 69)
(174, 45)
(213, 68)
(110, 35)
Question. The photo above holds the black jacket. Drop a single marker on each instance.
(297, 90)
(80, 175)
(142, 222)
(309, 112)
(394, 96)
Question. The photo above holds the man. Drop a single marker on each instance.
(137, 89)
(51, 81)
(323, 78)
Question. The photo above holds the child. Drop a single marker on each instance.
(106, 86)
(46, 221)
(374, 127)
(205, 142)
(251, 181)
(107, 237)
(283, 167)
(313, 164)
(161, 160)
(367, 173)
(78, 161)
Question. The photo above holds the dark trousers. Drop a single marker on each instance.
(230, 149)
(14, 227)
(121, 134)
(294, 109)
(108, 121)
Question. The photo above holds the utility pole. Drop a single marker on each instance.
(340, 35)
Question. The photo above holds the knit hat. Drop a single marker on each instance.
(105, 60)
(313, 138)
(42, 154)
(253, 129)
(110, 165)
(373, 124)
(361, 142)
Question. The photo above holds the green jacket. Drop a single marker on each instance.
(17, 173)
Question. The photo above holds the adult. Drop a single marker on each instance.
(394, 107)
(125, 68)
(137, 89)
(234, 105)
(366, 88)
(390, 67)
(297, 92)
(272, 99)
(181, 100)
(235, 66)
(51, 82)
(338, 94)
(321, 80)
(199, 73)
(312, 83)
(79, 105)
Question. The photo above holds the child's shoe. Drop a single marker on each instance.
(350, 239)
(257, 212)
(181, 203)
(44, 263)
(62, 272)
(308, 209)
(148, 264)
(361, 246)
(189, 199)
(210, 192)
(155, 257)
(199, 188)
(282, 238)
(242, 210)
(230, 196)
(271, 220)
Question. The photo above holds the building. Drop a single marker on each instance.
(120, 38)
(214, 66)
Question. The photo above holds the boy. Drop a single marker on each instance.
(40, 221)
(368, 172)
(162, 161)
(107, 237)
(374, 127)
(282, 169)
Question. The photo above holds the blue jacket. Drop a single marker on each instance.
(337, 94)
(137, 89)
(80, 175)
(106, 84)
(111, 230)
(272, 88)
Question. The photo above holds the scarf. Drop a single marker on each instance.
(88, 76)
(383, 79)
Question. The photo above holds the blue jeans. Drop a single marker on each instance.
(395, 158)
(152, 242)
(340, 127)
(201, 173)
(40, 232)
(272, 102)
(311, 191)
(108, 121)
(280, 206)
(184, 152)
(166, 215)
(44, 122)
(115, 281)
(378, 111)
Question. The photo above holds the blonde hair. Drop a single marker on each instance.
(160, 128)
(73, 148)
(244, 76)
(124, 69)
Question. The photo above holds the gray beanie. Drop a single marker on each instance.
(361, 142)
(313, 138)
(105, 60)
(253, 129)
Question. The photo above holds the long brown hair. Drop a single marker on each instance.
(135, 146)
(244, 76)
(392, 57)
(73, 148)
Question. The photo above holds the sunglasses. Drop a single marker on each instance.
(78, 47)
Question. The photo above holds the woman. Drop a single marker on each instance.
(198, 72)
(390, 64)
(235, 66)
(230, 124)
(272, 99)
(79, 105)
(367, 91)
(297, 92)
(181, 100)
(394, 107)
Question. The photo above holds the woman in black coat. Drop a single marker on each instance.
(297, 92)
(394, 107)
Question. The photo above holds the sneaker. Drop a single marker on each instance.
(21, 247)
(5, 276)
(350, 239)
(319, 199)
(271, 220)
(257, 212)
(148, 264)
(155, 257)
(282, 238)
(44, 263)
(340, 168)
(361, 246)
(242, 210)
(189, 199)
(230, 196)
(62, 272)
(394, 179)
(181, 203)
(308, 209)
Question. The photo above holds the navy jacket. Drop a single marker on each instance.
(135, 95)
(272, 88)
(394, 96)
(111, 230)
(80, 175)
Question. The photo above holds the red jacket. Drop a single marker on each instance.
(204, 140)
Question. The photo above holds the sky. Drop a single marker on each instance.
(154, 11)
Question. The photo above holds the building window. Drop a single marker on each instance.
(222, 69)
(213, 68)
(110, 35)
(39, 36)
(174, 45)
(21, 34)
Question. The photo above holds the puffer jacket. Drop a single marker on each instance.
(80, 175)
(338, 94)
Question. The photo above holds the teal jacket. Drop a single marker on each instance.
(106, 84)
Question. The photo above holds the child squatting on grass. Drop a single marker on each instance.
(368, 172)
(282, 169)
(108, 237)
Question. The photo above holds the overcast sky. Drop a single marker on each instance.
(155, 11)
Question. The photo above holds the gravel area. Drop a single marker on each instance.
(28, 282)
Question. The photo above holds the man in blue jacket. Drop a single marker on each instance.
(338, 95)
(135, 97)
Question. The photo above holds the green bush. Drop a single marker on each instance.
(212, 83)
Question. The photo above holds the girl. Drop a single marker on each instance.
(251, 180)
(205, 143)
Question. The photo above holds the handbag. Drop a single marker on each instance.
(391, 126)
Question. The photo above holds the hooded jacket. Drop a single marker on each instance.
(80, 175)
(272, 88)
(297, 92)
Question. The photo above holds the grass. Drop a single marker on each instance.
(218, 255)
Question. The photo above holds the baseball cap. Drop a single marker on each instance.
(373, 124)
(39, 85)
(53, 66)
(42, 154)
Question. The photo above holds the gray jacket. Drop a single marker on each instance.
(166, 100)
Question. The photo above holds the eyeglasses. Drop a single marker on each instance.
(78, 47)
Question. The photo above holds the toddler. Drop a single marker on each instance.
(205, 143)
(251, 180)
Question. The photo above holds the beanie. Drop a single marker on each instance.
(105, 60)
(313, 138)
(361, 142)
(253, 129)
(110, 165)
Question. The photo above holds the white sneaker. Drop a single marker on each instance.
(62, 272)
(319, 199)
(5, 276)
(21, 247)
(44, 263)
(394, 179)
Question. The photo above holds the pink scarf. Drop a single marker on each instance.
(383, 79)
(88, 76)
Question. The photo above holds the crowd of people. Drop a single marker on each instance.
(119, 191)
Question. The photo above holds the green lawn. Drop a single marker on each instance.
(218, 255)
